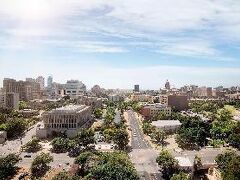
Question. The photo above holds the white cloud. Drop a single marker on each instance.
(160, 22)
(99, 48)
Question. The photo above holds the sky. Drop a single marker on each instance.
(119, 43)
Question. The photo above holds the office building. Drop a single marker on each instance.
(142, 98)
(41, 81)
(68, 120)
(136, 88)
(75, 88)
(177, 102)
(49, 82)
(151, 110)
(115, 98)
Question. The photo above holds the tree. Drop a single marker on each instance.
(23, 105)
(7, 166)
(180, 176)
(192, 133)
(234, 138)
(98, 113)
(197, 163)
(167, 163)
(60, 145)
(40, 164)
(32, 146)
(108, 134)
(82, 160)
(159, 136)
(62, 176)
(147, 128)
(114, 165)
(121, 138)
(85, 137)
(229, 164)
(15, 127)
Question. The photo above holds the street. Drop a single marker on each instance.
(142, 155)
(137, 140)
(61, 159)
(13, 146)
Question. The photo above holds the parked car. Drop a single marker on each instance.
(28, 155)
(134, 134)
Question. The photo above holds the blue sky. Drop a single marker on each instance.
(119, 43)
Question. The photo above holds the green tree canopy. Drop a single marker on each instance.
(8, 166)
(40, 164)
(167, 163)
(85, 137)
(62, 176)
(98, 113)
(229, 164)
(32, 146)
(114, 165)
(180, 176)
(60, 145)
(121, 138)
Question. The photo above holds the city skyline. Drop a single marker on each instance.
(120, 43)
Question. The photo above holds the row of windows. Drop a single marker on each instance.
(61, 120)
(67, 126)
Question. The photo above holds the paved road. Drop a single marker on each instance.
(137, 140)
(142, 155)
(13, 146)
(58, 159)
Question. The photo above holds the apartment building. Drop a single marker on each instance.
(151, 110)
(142, 98)
(27, 90)
(67, 119)
(178, 102)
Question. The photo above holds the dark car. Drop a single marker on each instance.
(27, 155)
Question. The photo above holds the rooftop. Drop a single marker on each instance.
(69, 109)
(184, 162)
(162, 123)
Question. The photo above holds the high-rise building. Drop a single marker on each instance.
(167, 85)
(49, 81)
(136, 88)
(27, 90)
(41, 81)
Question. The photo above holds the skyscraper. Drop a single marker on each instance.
(49, 81)
(136, 88)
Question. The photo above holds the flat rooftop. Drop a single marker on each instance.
(69, 109)
(163, 123)
(184, 161)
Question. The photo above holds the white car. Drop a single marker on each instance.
(134, 134)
